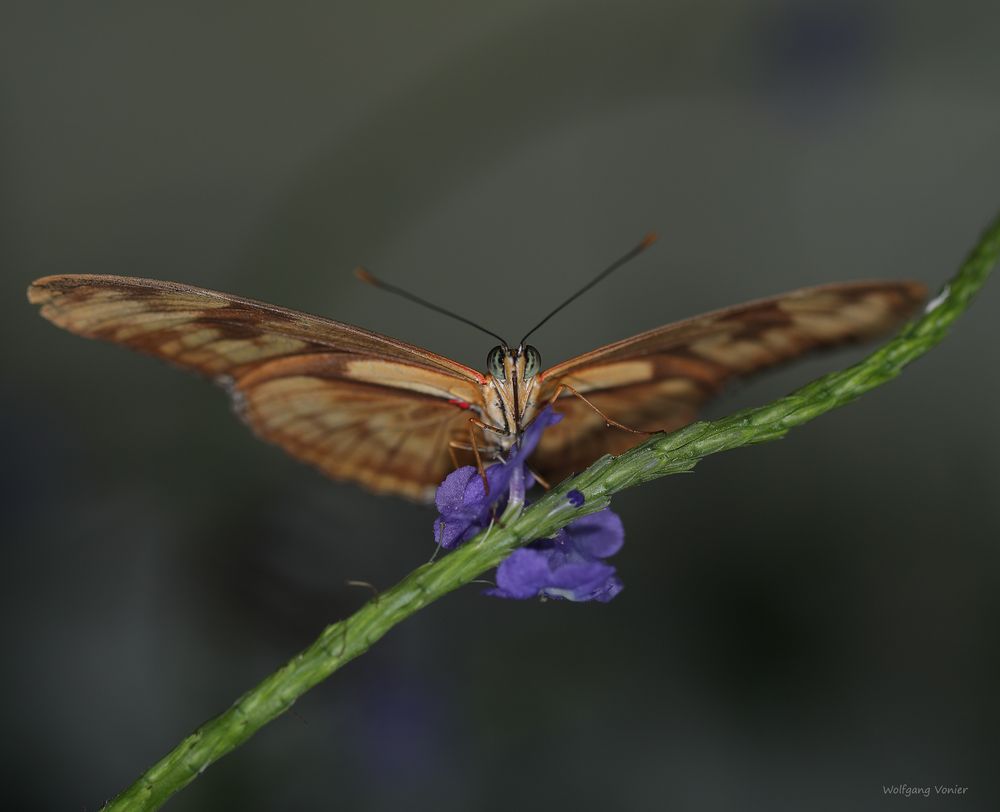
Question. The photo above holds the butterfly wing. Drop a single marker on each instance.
(356, 404)
(205, 331)
(658, 380)
(320, 409)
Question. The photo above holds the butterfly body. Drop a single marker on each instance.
(386, 414)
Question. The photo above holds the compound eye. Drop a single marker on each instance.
(494, 363)
(532, 362)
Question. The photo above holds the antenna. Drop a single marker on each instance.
(370, 279)
(647, 241)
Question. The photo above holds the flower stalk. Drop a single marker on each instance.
(662, 455)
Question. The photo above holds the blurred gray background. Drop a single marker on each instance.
(803, 622)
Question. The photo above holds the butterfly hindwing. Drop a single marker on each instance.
(389, 439)
(582, 435)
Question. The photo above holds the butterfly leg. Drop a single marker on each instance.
(475, 450)
(470, 446)
(608, 420)
(453, 444)
(475, 421)
(473, 446)
(540, 480)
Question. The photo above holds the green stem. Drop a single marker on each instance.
(662, 455)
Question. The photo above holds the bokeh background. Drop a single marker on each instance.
(803, 622)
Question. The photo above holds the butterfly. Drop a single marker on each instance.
(390, 415)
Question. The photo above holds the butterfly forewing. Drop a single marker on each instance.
(207, 331)
(751, 336)
(657, 380)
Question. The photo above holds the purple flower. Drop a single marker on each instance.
(569, 565)
(465, 506)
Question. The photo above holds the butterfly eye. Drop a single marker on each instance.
(532, 362)
(494, 363)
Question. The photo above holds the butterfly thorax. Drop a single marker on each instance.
(509, 395)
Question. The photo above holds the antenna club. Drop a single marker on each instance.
(364, 275)
(648, 240)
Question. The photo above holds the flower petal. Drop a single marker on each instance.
(581, 581)
(451, 494)
(464, 505)
(599, 535)
(523, 574)
(555, 568)
(608, 590)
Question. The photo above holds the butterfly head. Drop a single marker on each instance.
(507, 364)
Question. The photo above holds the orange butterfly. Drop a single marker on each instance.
(364, 407)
